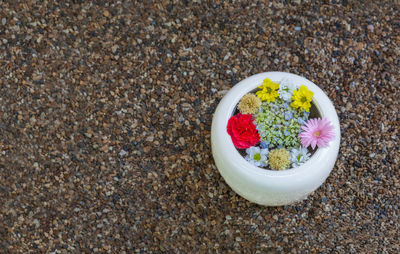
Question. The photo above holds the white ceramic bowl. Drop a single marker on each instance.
(268, 187)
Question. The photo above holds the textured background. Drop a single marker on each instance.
(106, 111)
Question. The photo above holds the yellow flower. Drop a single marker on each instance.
(268, 90)
(279, 159)
(301, 98)
(249, 104)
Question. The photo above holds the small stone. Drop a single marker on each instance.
(227, 56)
(114, 48)
(3, 21)
(297, 28)
(372, 155)
(222, 92)
(173, 40)
(122, 152)
(182, 141)
(327, 208)
(370, 28)
(260, 44)
(106, 13)
(104, 148)
(36, 222)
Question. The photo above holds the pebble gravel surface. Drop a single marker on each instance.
(105, 116)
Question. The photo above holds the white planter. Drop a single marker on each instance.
(268, 187)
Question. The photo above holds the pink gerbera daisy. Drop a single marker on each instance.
(317, 132)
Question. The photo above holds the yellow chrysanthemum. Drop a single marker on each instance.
(268, 90)
(249, 104)
(301, 98)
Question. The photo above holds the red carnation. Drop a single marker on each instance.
(242, 131)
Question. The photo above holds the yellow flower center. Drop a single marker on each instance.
(257, 157)
(304, 99)
(269, 90)
(317, 134)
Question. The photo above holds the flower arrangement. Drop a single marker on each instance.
(273, 127)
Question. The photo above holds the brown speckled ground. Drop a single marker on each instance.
(106, 111)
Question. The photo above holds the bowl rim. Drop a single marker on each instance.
(231, 99)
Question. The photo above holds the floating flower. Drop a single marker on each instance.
(279, 159)
(299, 156)
(268, 90)
(302, 98)
(275, 122)
(242, 131)
(288, 116)
(264, 144)
(249, 104)
(257, 156)
(317, 132)
(286, 88)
